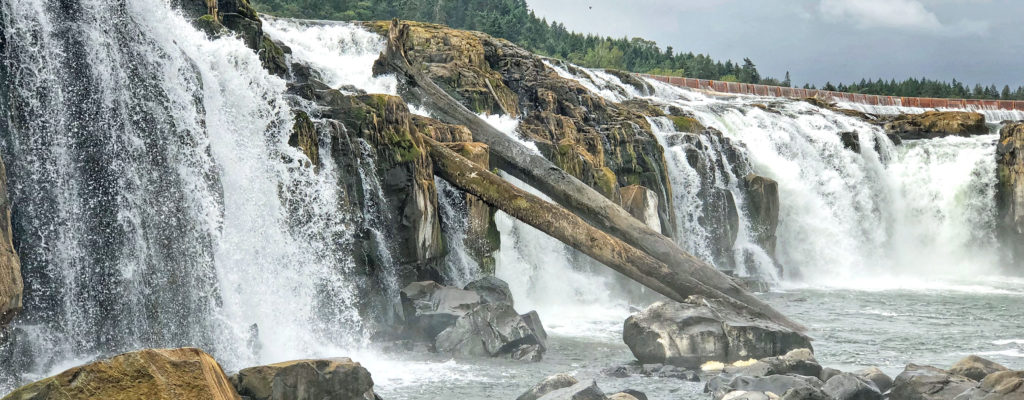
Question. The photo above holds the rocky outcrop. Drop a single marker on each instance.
(1010, 194)
(605, 145)
(922, 382)
(334, 378)
(482, 237)
(548, 385)
(763, 210)
(240, 18)
(933, 124)
(976, 368)
(1003, 385)
(11, 285)
(476, 322)
(692, 333)
(148, 374)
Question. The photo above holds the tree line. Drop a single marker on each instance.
(513, 20)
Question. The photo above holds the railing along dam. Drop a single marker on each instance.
(796, 93)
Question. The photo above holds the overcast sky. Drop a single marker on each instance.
(974, 41)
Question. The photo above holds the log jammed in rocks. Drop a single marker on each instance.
(686, 274)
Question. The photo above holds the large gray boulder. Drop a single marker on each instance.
(806, 386)
(586, 390)
(882, 381)
(922, 382)
(492, 330)
(492, 290)
(430, 308)
(848, 386)
(699, 330)
(548, 385)
(1002, 385)
(976, 368)
(335, 378)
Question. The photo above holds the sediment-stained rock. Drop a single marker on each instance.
(933, 124)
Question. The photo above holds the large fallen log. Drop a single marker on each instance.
(537, 171)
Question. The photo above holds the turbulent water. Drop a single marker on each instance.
(159, 204)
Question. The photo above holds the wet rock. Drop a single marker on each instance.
(921, 382)
(642, 204)
(828, 373)
(11, 285)
(756, 368)
(482, 237)
(848, 386)
(1002, 385)
(168, 374)
(851, 140)
(430, 308)
(745, 395)
(491, 330)
(492, 290)
(976, 368)
(934, 124)
(1010, 194)
(638, 395)
(335, 378)
(805, 393)
(763, 210)
(882, 381)
(305, 138)
(548, 385)
(809, 387)
(586, 390)
(799, 361)
(692, 333)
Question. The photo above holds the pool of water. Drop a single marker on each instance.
(852, 329)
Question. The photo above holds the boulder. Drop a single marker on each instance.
(335, 378)
(848, 386)
(745, 395)
(882, 381)
(586, 390)
(976, 368)
(642, 204)
(699, 330)
(934, 124)
(11, 285)
(492, 290)
(491, 330)
(1002, 385)
(921, 382)
(622, 396)
(805, 393)
(169, 374)
(638, 395)
(756, 368)
(1010, 194)
(799, 361)
(828, 373)
(763, 210)
(430, 308)
(548, 385)
(810, 387)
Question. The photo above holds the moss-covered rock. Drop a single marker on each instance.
(685, 124)
(933, 124)
(1010, 194)
(147, 374)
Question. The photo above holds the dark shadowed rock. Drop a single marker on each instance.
(586, 390)
(976, 368)
(335, 378)
(848, 386)
(721, 385)
(692, 333)
(491, 330)
(492, 290)
(922, 382)
(882, 381)
(548, 385)
(851, 140)
(1002, 385)
(430, 308)
(828, 373)
(1010, 195)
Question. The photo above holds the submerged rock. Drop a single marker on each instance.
(548, 385)
(692, 333)
(335, 378)
(933, 124)
(976, 368)
(169, 374)
(1002, 385)
(922, 382)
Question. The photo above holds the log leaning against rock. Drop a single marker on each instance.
(514, 158)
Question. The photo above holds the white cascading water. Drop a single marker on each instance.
(146, 162)
(459, 267)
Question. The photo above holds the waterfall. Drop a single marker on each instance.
(158, 202)
(459, 267)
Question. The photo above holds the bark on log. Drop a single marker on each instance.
(537, 171)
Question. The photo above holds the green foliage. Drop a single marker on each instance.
(924, 87)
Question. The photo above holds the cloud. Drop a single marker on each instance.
(906, 15)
